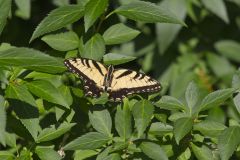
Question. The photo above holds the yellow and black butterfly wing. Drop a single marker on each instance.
(91, 72)
(126, 82)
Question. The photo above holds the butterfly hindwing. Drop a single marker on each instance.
(126, 82)
(91, 72)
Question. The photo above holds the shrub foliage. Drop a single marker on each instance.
(191, 46)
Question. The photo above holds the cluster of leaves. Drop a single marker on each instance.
(45, 115)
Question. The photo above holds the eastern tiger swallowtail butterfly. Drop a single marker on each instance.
(118, 83)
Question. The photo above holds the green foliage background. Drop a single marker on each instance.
(191, 46)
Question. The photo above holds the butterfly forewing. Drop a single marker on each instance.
(91, 72)
(126, 82)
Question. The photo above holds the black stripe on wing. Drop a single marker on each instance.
(90, 87)
(118, 95)
(124, 74)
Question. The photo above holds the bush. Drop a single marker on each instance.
(190, 46)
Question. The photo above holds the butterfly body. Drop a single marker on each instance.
(118, 83)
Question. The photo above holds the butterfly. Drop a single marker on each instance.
(118, 83)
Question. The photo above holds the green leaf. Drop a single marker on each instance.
(142, 112)
(114, 156)
(31, 59)
(216, 98)
(47, 91)
(11, 139)
(58, 18)
(228, 141)
(25, 154)
(182, 127)
(185, 154)
(54, 132)
(237, 2)
(170, 103)
(65, 91)
(94, 48)
(123, 121)
(203, 152)
(236, 80)
(236, 101)
(119, 146)
(7, 155)
(83, 2)
(21, 93)
(209, 128)
(192, 96)
(220, 65)
(180, 83)
(218, 8)
(158, 128)
(166, 33)
(93, 9)
(62, 41)
(84, 154)
(116, 59)
(47, 153)
(28, 115)
(101, 121)
(103, 99)
(26, 112)
(147, 12)
(91, 140)
(103, 154)
(24, 8)
(119, 33)
(229, 49)
(3, 120)
(153, 151)
(175, 116)
(5, 7)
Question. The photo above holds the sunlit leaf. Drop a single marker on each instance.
(218, 8)
(209, 128)
(142, 112)
(147, 12)
(58, 18)
(203, 152)
(52, 132)
(216, 98)
(123, 121)
(192, 96)
(24, 8)
(101, 121)
(119, 33)
(91, 140)
(7, 155)
(47, 91)
(153, 151)
(93, 9)
(115, 59)
(46, 153)
(228, 141)
(170, 103)
(94, 48)
(84, 154)
(3, 120)
(236, 101)
(62, 41)
(182, 127)
(31, 59)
